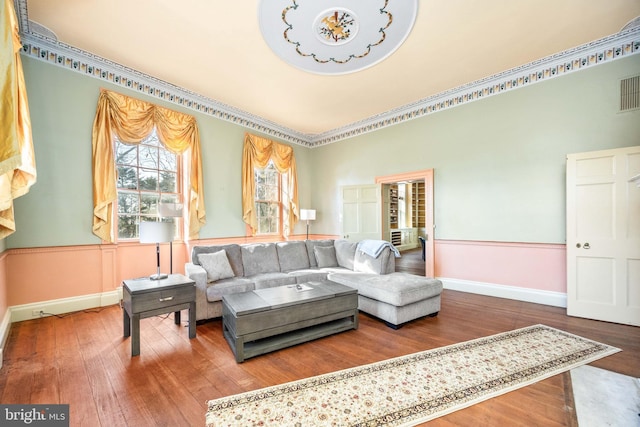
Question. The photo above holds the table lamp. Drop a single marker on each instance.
(307, 215)
(156, 232)
(170, 210)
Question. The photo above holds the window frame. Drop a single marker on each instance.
(153, 214)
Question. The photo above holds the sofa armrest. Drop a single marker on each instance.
(198, 275)
(385, 263)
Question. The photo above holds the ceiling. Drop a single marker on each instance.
(216, 49)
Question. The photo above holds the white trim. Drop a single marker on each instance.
(556, 299)
(5, 326)
(65, 305)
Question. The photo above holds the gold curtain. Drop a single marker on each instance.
(17, 159)
(256, 154)
(132, 120)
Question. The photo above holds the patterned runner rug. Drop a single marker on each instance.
(413, 389)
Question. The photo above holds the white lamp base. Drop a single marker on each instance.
(158, 276)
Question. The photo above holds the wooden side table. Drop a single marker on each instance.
(145, 298)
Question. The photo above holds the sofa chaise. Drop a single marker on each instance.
(391, 296)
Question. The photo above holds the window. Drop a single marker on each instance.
(268, 199)
(272, 166)
(147, 173)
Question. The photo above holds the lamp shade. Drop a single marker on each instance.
(156, 232)
(170, 210)
(307, 214)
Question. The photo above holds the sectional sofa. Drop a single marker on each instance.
(394, 297)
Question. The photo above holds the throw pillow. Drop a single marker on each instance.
(345, 253)
(326, 256)
(216, 265)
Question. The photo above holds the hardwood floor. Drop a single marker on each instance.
(82, 359)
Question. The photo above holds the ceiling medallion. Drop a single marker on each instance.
(348, 36)
(336, 26)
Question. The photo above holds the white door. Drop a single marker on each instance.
(603, 235)
(361, 212)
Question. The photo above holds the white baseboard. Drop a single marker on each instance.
(556, 299)
(5, 325)
(65, 305)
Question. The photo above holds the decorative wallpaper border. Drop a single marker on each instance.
(623, 44)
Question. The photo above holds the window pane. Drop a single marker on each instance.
(168, 182)
(168, 161)
(148, 179)
(148, 157)
(262, 210)
(272, 178)
(128, 203)
(127, 177)
(272, 193)
(145, 218)
(149, 203)
(274, 210)
(263, 225)
(274, 225)
(153, 139)
(127, 227)
(126, 154)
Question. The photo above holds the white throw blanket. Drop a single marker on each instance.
(375, 247)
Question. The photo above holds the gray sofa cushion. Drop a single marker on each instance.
(292, 255)
(312, 244)
(345, 253)
(397, 289)
(325, 256)
(233, 255)
(228, 286)
(259, 258)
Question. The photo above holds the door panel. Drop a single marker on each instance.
(361, 212)
(603, 236)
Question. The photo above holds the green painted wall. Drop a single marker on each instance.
(58, 209)
(499, 163)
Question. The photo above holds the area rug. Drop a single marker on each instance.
(413, 389)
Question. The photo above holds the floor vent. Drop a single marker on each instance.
(630, 94)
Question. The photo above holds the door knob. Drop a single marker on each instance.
(586, 246)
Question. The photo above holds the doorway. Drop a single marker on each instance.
(426, 177)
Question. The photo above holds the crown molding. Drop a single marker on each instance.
(623, 44)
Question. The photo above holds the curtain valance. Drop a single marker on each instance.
(132, 120)
(17, 158)
(257, 153)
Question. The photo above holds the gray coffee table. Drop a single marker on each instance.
(264, 320)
